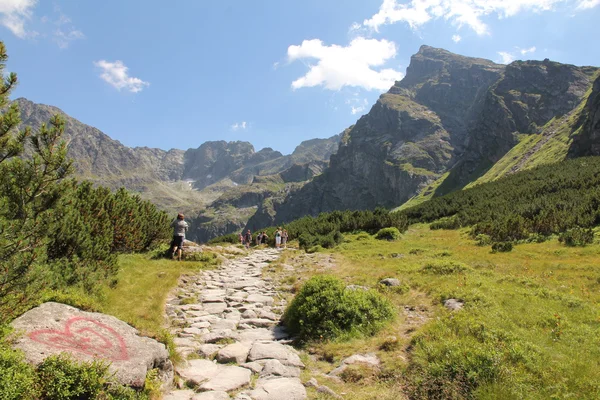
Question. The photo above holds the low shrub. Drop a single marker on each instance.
(210, 258)
(444, 267)
(577, 237)
(483, 240)
(325, 309)
(233, 238)
(416, 252)
(446, 223)
(388, 234)
(363, 236)
(17, 378)
(61, 377)
(328, 241)
(502, 247)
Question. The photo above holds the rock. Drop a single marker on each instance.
(276, 368)
(211, 396)
(53, 328)
(179, 395)
(197, 371)
(312, 382)
(228, 378)
(253, 366)
(453, 304)
(326, 390)
(390, 282)
(249, 314)
(259, 322)
(285, 354)
(214, 337)
(215, 308)
(236, 352)
(370, 360)
(208, 350)
(278, 389)
(259, 298)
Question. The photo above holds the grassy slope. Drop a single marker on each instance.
(140, 294)
(530, 327)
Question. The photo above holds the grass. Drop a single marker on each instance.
(530, 327)
(143, 285)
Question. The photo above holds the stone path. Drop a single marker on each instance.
(226, 325)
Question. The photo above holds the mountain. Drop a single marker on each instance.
(232, 175)
(446, 125)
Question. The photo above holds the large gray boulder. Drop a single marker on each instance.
(54, 328)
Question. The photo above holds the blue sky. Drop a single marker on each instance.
(270, 72)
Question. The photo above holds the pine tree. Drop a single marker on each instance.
(29, 189)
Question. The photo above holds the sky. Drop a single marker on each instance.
(271, 72)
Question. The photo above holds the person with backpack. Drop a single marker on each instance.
(259, 239)
(284, 238)
(248, 238)
(278, 238)
(180, 227)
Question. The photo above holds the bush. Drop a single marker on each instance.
(446, 223)
(483, 240)
(444, 267)
(388, 234)
(233, 238)
(325, 309)
(17, 378)
(577, 237)
(61, 377)
(502, 247)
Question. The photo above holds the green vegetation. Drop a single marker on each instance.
(539, 202)
(325, 309)
(326, 229)
(388, 234)
(528, 329)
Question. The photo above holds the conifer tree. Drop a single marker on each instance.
(29, 188)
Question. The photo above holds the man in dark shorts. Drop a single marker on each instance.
(248, 239)
(180, 227)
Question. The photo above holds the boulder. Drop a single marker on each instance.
(236, 352)
(390, 282)
(54, 328)
(453, 304)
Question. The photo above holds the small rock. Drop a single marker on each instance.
(453, 304)
(326, 390)
(312, 382)
(357, 287)
(285, 354)
(179, 395)
(249, 314)
(228, 378)
(211, 396)
(390, 282)
(208, 350)
(253, 366)
(278, 389)
(276, 368)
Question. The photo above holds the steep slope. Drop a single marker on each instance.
(449, 121)
(586, 140)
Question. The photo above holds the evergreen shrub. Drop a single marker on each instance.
(325, 309)
(390, 234)
(577, 237)
(444, 267)
(502, 247)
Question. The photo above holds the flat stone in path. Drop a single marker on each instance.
(179, 395)
(211, 396)
(278, 389)
(236, 352)
(228, 378)
(54, 328)
(285, 354)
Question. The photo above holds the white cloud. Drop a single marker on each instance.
(529, 50)
(239, 125)
(456, 38)
(352, 65)
(14, 13)
(116, 75)
(356, 110)
(586, 4)
(461, 12)
(64, 38)
(505, 57)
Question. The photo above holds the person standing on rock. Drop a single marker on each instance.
(180, 227)
(278, 238)
(248, 238)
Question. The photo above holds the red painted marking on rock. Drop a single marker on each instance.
(87, 336)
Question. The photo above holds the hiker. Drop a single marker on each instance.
(180, 227)
(265, 238)
(242, 238)
(259, 239)
(248, 239)
(284, 238)
(278, 238)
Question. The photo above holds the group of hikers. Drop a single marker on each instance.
(281, 238)
(180, 227)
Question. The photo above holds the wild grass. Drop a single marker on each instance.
(143, 285)
(530, 326)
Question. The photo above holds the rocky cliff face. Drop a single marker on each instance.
(587, 140)
(450, 114)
